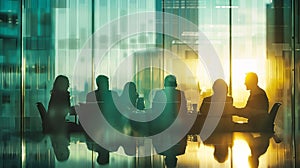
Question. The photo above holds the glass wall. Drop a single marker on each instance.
(142, 41)
(296, 96)
(11, 85)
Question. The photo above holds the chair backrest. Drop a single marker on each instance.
(274, 110)
(42, 110)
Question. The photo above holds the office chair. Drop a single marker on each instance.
(273, 111)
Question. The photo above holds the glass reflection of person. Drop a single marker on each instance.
(60, 143)
(258, 145)
(59, 104)
(222, 142)
(256, 109)
(173, 101)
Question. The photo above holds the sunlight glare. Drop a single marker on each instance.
(239, 69)
(240, 154)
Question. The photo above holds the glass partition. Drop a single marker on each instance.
(141, 41)
(296, 81)
(11, 86)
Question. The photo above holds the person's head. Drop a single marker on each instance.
(61, 83)
(130, 87)
(220, 87)
(129, 91)
(102, 82)
(170, 81)
(251, 80)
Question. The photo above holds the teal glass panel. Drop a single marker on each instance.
(10, 84)
(143, 41)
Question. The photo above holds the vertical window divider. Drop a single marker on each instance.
(230, 48)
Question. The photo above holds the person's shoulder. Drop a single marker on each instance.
(114, 93)
(91, 93)
(160, 91)
(160, 95)
(207, 99)
(177, 91)
(261, 91)
(180, 91)
(229, 99)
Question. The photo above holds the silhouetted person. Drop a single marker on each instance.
(256, 109)
(101, 92)
(128, 107)
(58, 108)
(105, 99)
(171, 101)
(129, 96)
(224, 111)
(59, 104)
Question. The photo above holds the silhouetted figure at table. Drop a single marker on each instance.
(58, 108)
(127, 105)
(258, 145)
(221, 111)
(59, 105)
(219, 98)
(171, 101)
(256, 109)
(129, 96)
(101, 92)
(104, 98)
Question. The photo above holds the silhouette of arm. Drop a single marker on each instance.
(256, 105)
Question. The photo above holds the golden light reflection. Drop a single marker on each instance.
(240, 153)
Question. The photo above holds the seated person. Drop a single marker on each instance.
(256, 109)
(59, 105)
(131, 106)
(217, 108)
(129, 96)
(171, 102)
(127, 105)
(104, 99)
